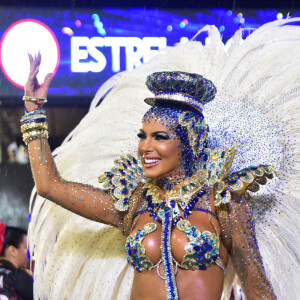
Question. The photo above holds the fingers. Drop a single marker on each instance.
(32, 76)
(47, 82)
(30, 58)
(32, 82)
(32, 86)
(39, 58)
(34, 61)
(48, 79)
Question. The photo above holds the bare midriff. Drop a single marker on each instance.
(191, 284)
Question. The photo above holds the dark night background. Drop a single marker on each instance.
(194, 4)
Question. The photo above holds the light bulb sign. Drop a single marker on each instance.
(86, 47)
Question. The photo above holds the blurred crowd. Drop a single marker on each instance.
(16, 282)
(17, 153)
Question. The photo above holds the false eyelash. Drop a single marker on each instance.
(141, 135)
(163, 137)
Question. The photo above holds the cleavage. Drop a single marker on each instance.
(179, 239)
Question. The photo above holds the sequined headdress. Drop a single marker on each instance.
(186, 88)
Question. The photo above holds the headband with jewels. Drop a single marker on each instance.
(186, 88)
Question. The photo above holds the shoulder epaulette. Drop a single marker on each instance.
(247, 179)
(122, 179)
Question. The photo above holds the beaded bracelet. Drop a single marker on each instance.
(39, 120)
(34, 125)
(34, 99)
(34, 135)
(38, 111)
(33, 117)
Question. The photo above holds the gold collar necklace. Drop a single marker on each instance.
(185, 195)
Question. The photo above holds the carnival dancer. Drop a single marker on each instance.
(185, 203)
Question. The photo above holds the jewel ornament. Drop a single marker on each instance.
(197, 131)
(123, 179)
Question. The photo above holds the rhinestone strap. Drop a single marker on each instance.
(170, 282)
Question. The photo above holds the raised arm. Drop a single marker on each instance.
(245, 253)
(83, 199)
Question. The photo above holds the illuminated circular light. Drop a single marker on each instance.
(229, 13)
(236, 20)
(23, 37)
(78, 23)
(222, 28)
(279, 16)
(68, 31)
(240, 15)
(185, 21)
(182, 24)
(170, 28)
(242, 20)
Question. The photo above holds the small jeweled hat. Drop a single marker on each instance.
(192, 89)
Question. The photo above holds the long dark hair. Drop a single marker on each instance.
(13, 236)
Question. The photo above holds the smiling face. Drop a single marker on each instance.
(158, 148)
(165, 143)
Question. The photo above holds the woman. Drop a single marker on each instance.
(168, 164)
(15, 281)
(182, 206)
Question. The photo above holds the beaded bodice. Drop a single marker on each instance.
(201, 250)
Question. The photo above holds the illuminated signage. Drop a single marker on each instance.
(87, 47)
(23, 37)
(137, 51)
(85, 52)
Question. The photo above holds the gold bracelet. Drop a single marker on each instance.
(34, 99)
(34, 134)
(34, 125)
(33, 138)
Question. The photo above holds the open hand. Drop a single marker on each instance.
(32, 86)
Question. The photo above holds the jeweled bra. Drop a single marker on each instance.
(203, 248)
(201, 251)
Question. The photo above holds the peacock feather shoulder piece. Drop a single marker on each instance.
(122, 179)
